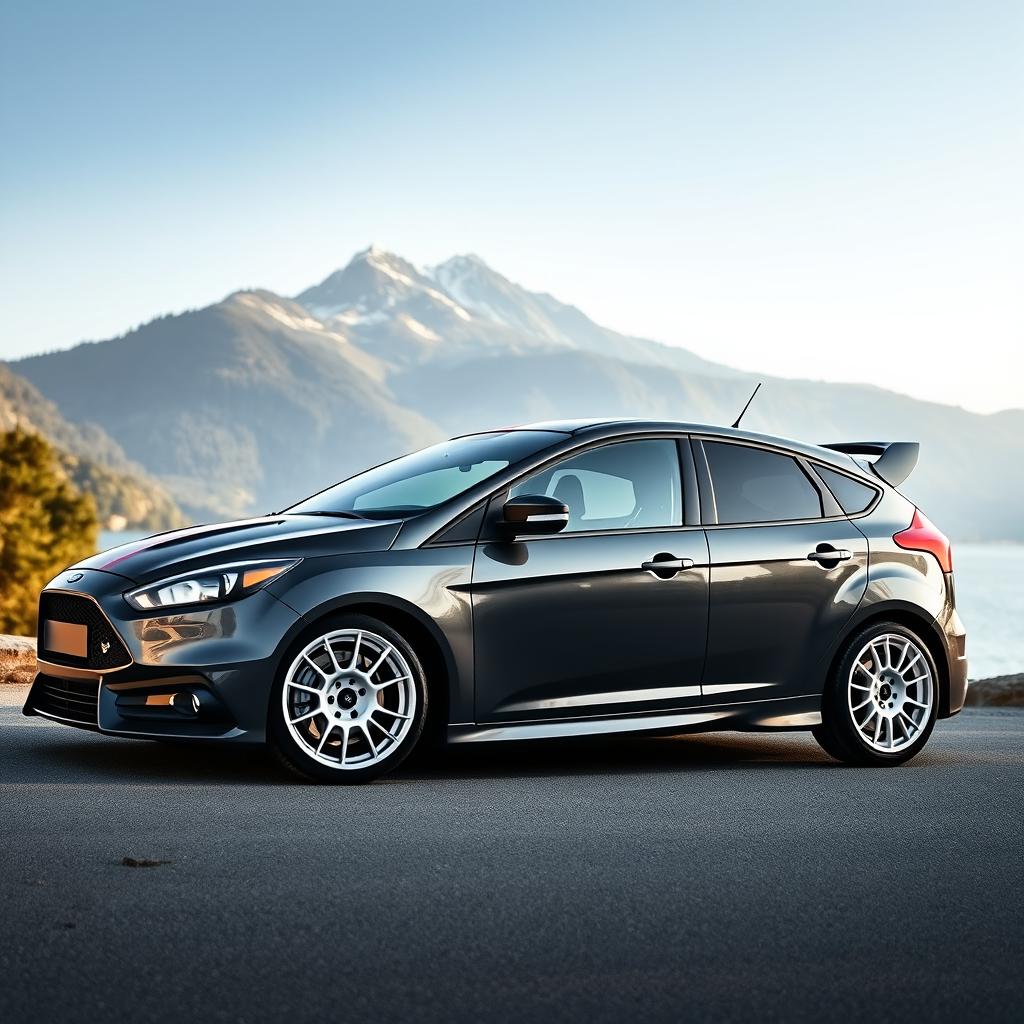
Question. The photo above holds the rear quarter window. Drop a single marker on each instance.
(852, 495)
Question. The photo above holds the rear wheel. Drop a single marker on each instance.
(350, 702)
(881, 703)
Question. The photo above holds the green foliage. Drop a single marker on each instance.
(126, 497)
(45, 525)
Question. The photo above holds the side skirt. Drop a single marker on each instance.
(789, 714)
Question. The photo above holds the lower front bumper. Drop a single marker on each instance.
(178, 706)
(202, 674)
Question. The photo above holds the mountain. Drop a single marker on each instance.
(462, 309)
(252, 402)
(237, 407)
(491, 297)
(125, 495)
(404, 317)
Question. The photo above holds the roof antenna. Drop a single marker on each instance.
(747, 406)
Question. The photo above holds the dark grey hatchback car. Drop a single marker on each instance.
(559, 579)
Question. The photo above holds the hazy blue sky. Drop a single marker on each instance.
(821, 189)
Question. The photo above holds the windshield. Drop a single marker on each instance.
(427, 478)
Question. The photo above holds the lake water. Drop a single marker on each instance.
(990, 599)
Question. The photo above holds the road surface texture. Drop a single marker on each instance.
(722, 877)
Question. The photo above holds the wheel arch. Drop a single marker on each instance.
(913, 619)
(419, 629)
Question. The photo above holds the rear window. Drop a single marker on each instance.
(852, 495)
(753, 485)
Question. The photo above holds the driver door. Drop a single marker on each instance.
(572, 625)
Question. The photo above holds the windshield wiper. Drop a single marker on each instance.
(336, 513)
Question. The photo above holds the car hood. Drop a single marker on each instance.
(282, 536)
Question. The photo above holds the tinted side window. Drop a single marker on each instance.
(632, 484)
(852, 495)
(756, 486)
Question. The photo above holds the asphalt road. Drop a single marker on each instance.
(721, 877)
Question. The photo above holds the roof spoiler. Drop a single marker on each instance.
(894, 460)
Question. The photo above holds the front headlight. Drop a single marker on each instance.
(223, 583)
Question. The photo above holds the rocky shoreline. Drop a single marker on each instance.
(18, 663)
(997, 692)
(17, 659)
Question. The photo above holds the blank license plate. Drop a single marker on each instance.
(67, 638)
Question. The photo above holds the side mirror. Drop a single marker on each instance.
(529, 514)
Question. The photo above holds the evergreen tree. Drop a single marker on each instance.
(45, 525)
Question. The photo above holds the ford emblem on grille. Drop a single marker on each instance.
(75, 577)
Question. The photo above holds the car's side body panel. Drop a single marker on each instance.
(912, 584)
(431, 584)
(774, 613)
(571, 625)
(908, 586)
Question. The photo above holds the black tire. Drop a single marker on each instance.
(298, 755)
(838, 735)
(827, 742)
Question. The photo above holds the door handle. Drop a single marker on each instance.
(665, 566)
(829, 556)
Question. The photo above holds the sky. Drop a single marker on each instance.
(823, 190)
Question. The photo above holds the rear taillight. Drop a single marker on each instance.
(923, 535)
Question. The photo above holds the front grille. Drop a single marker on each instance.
(106, 649)
(75, 700)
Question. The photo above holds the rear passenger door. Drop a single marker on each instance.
(787, 571)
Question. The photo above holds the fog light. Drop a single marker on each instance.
(186, 702)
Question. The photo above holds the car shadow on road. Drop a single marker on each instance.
(92, 759)
(89, 760)
(622, 756)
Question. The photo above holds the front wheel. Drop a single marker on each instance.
(881, 702)
(350, 702)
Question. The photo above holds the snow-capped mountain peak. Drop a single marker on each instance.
(375, 284)
(403, 314)
(485, 292)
